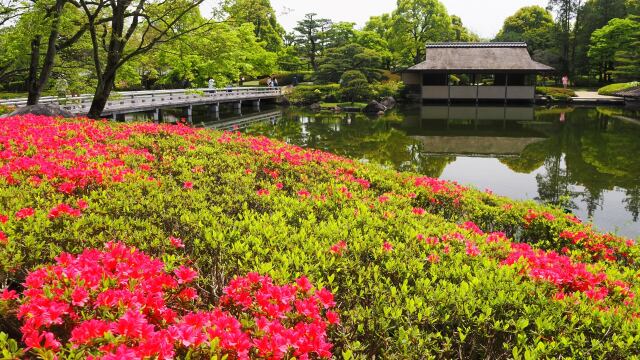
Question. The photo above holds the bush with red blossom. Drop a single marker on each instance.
(121, 303)
(417, 267)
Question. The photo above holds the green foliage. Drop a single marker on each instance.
(224, 54)
(6, 109)
(354, 86)
(9, 349)
(533, 25)
(615, 88)
(309, 35)
(260, 13)
(556, 93)
(309, 94)
(415, 23)
(607, 41)
(338, 61)
(286, 77)
(386, 89)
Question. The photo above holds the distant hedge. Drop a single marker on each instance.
(556, 93)
(287, 78)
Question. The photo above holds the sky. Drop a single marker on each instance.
(484, 17)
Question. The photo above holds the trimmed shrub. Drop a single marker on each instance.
(386, 89)
(613, 89)
(418, 267)
(556, 93)
(309, 94)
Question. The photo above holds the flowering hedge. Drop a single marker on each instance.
(416, 267)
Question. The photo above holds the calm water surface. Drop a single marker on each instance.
(585, 159)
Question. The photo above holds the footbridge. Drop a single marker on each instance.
(138, 101)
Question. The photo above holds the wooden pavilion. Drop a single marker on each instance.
(475, 72)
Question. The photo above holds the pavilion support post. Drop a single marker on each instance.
(475, 79)
(449, 89)
(506, 88)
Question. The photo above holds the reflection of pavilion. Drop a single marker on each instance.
(475, 130)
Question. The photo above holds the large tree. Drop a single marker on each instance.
(310, 36)
(619, 35)
(349, 57)
(533, 25)
(261, 15)
(134, 27)
(417, 22)
(594, 15)
(460, 33)
(566, 22)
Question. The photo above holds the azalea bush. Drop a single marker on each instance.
(6, 109)
(119, 303)
(146, 240)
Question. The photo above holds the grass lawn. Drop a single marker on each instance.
(357, 105)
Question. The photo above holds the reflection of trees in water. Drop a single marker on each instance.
(632, 202)
(554, 186)
(600, 154)
(356, 136)
(588, 154)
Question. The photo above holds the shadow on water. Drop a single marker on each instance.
(585, 159)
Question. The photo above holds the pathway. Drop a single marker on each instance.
(592, 97)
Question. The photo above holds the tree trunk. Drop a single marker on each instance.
(37, 85)
(32, 80)
(107, 79)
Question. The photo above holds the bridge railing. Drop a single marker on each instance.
(132, 100)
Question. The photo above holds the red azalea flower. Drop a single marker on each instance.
(82, 204)
(419, 211)
(7, 295)
(433, 258)
(188, 185)
(185, 275)
(304, 284)
(338, 248)
(24, 213)
(387, 246)
(176, 242)
(4, 239)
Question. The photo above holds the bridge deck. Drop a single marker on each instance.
(137, 101)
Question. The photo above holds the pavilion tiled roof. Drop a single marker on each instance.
(512, 56)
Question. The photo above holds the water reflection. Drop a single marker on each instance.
(584, 159)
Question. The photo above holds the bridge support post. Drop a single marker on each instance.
(256, 105)
(238, 107)
(190, 114)
(157, 115)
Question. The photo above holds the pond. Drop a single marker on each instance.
(584, 159)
